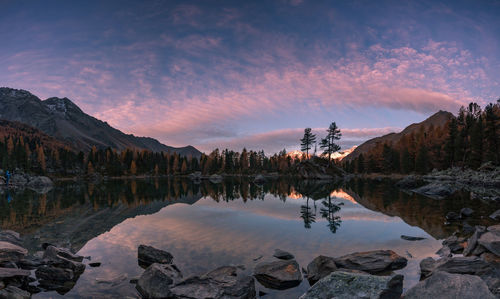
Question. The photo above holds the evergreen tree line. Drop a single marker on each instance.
(468, 140)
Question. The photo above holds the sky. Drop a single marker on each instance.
(254, 74)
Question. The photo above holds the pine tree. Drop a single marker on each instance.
(328, 143)
(307, 141)
(449, 146)
(133, 168)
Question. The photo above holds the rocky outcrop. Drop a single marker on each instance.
(148, 255)
(450, 286)
(278, 275)
(342, 284)
(319, 268)
(372, 262)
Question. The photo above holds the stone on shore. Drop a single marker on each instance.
(372, 262)
(283, 255)
(472, 241)
(491, 241)
(459, 265)
(445, 285)
(279, 275)
(495, 215)
(11, 252)
(8, 273)
(11, 237)
(63, 258)
(436, 190)
(40, 182)
(319, 268)
(148, 255)
(221, 283)
(342, 284)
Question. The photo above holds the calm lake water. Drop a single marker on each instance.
(233, 223)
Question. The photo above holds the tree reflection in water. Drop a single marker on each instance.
(328, 212)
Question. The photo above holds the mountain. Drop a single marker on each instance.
(439, 119)
(62, 119)
(337, 155)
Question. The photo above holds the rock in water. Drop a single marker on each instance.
(148, 255)
(372, 261)
(221, 283)
(259, 179)
(283, 255)
(11, 292)
(64, 258)
(444, 285)
(278, 275)
(410, 238)
(156, 281)
(11, 253)
(319, 268)
(436, 190)
(466, 212)
(452, 216)
(342, 284)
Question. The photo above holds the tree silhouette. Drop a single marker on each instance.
(328, 212)
(328, 143)
(307, 141)
(307, 215)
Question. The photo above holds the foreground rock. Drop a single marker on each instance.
(342, 284)
(148, 255)
(495, 215)
(221, 283)
(319, 268)
(156, 281)
(278, 275)
(458, 265)
(11, 237)
(12, 292)
(283, 255)
(372, 262)
(11, 252)
(491, 239)
(450, 286)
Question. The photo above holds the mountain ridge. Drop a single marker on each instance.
(439, 118)
(64, 120)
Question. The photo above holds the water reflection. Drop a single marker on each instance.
(207, 225)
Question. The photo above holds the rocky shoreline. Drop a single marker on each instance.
(469, 267)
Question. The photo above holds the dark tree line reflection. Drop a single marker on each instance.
(30, 209)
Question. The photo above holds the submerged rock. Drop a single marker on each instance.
(372, 261)
(410, 238)
(148, 255)
(342, 284)
(223, 282)
(279, 274)
(450, 286)
(320, 267)
(283, 255)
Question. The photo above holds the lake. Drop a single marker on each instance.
(236, 222)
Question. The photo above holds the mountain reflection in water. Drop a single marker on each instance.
(208, 225)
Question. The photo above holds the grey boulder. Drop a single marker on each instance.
(347, 285)
(445, 285)
(156, 281)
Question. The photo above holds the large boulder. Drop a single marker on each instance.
(372, 261)
(223, 282)
(491, 241)
(342, 284)
(63, 258)
(156, 281)
(12, 292)
(11, 252)
(319, 268)
(472, 241)
(283, 255)
(444, 285)
(11, 237)
(148, 255)
(278, 275)
(459, 265)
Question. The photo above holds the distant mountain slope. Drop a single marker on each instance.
(64, 120)
(17, 129)
(438, 119)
